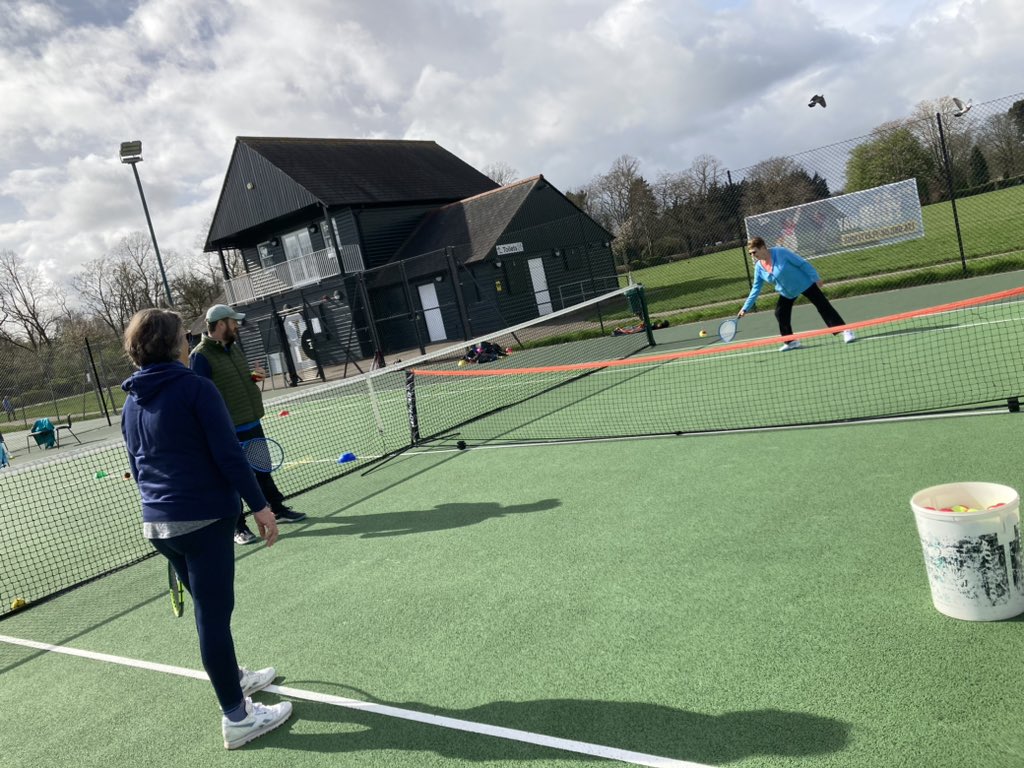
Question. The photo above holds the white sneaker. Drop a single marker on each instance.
(252, 681)
(259, 719)
(848, 336)
(245, 537)
(794, 344)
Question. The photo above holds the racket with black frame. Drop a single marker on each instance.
(263, 454)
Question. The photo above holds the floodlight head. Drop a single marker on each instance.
(131, 151)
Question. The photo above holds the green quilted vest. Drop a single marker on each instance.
(232, 377)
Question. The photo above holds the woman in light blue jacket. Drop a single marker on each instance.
(792, 277)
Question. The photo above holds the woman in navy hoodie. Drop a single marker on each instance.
(190, 470)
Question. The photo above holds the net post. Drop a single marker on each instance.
(410, 403)
(637, 298)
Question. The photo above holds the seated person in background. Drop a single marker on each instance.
(44, 433)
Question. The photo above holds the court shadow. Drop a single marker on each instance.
(442, 517)
(911, 331)
(652, 729)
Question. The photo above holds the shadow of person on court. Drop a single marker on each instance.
(650, 729)
(401, 523)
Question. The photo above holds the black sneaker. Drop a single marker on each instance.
(288, 515)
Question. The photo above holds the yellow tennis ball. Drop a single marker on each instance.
(17, 603)
(462, 363)
(703, 333)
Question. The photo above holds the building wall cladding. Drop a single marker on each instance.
(273, 195)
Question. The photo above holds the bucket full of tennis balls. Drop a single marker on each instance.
(970, 536)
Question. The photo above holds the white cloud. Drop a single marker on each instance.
(555, 88)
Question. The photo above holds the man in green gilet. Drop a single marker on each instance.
(218, 357)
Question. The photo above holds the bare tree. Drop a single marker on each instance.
(117, 285)
(500, 172)
(197, 286)
(1000, 139)
(609, 194)
(705, 174)
(958, 133)
(778, 182)
(30, 306)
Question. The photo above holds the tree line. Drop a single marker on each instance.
(701, 209)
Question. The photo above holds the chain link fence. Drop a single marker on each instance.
(70, 380)
(967, 170)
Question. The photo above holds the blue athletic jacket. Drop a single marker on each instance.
(790, 274)
(182, 448)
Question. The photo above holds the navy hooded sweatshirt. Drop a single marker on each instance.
(182, 448)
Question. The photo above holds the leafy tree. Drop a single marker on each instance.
(979, 167)
(1016, 113)
(893, 154)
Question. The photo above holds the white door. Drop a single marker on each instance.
(540, 286)
(432, 312)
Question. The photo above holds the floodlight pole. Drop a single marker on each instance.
(131, 153)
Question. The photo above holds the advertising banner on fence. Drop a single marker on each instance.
(865, 219)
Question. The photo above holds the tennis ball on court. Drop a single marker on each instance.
(17, 603)
(462, 363)
(703, 333)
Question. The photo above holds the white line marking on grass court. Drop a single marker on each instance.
(512, 734)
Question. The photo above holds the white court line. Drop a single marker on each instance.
(512, 734)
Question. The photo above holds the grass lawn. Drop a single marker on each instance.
(989, 226)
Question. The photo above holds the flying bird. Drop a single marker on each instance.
(816, 99)
(961, 108)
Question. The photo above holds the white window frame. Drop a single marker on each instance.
(266, 256)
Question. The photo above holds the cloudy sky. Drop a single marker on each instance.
(559, 87)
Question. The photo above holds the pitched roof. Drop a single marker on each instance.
(479, 221)
(368, 171)
(271, 178)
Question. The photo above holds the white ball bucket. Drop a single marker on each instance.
(973, 558)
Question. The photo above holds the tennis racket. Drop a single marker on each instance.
(727, 329)
(177, 591)
(263, 454)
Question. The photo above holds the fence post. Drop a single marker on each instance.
(952, 192)
(457, 287)
(734, 193)
(414, 315)
(96, 381)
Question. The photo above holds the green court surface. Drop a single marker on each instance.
(749, 600)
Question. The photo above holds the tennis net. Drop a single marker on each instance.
(957, 356)
(586, 372)
(70, 519)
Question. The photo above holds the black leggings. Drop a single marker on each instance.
(205, 562)
(784, 310)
